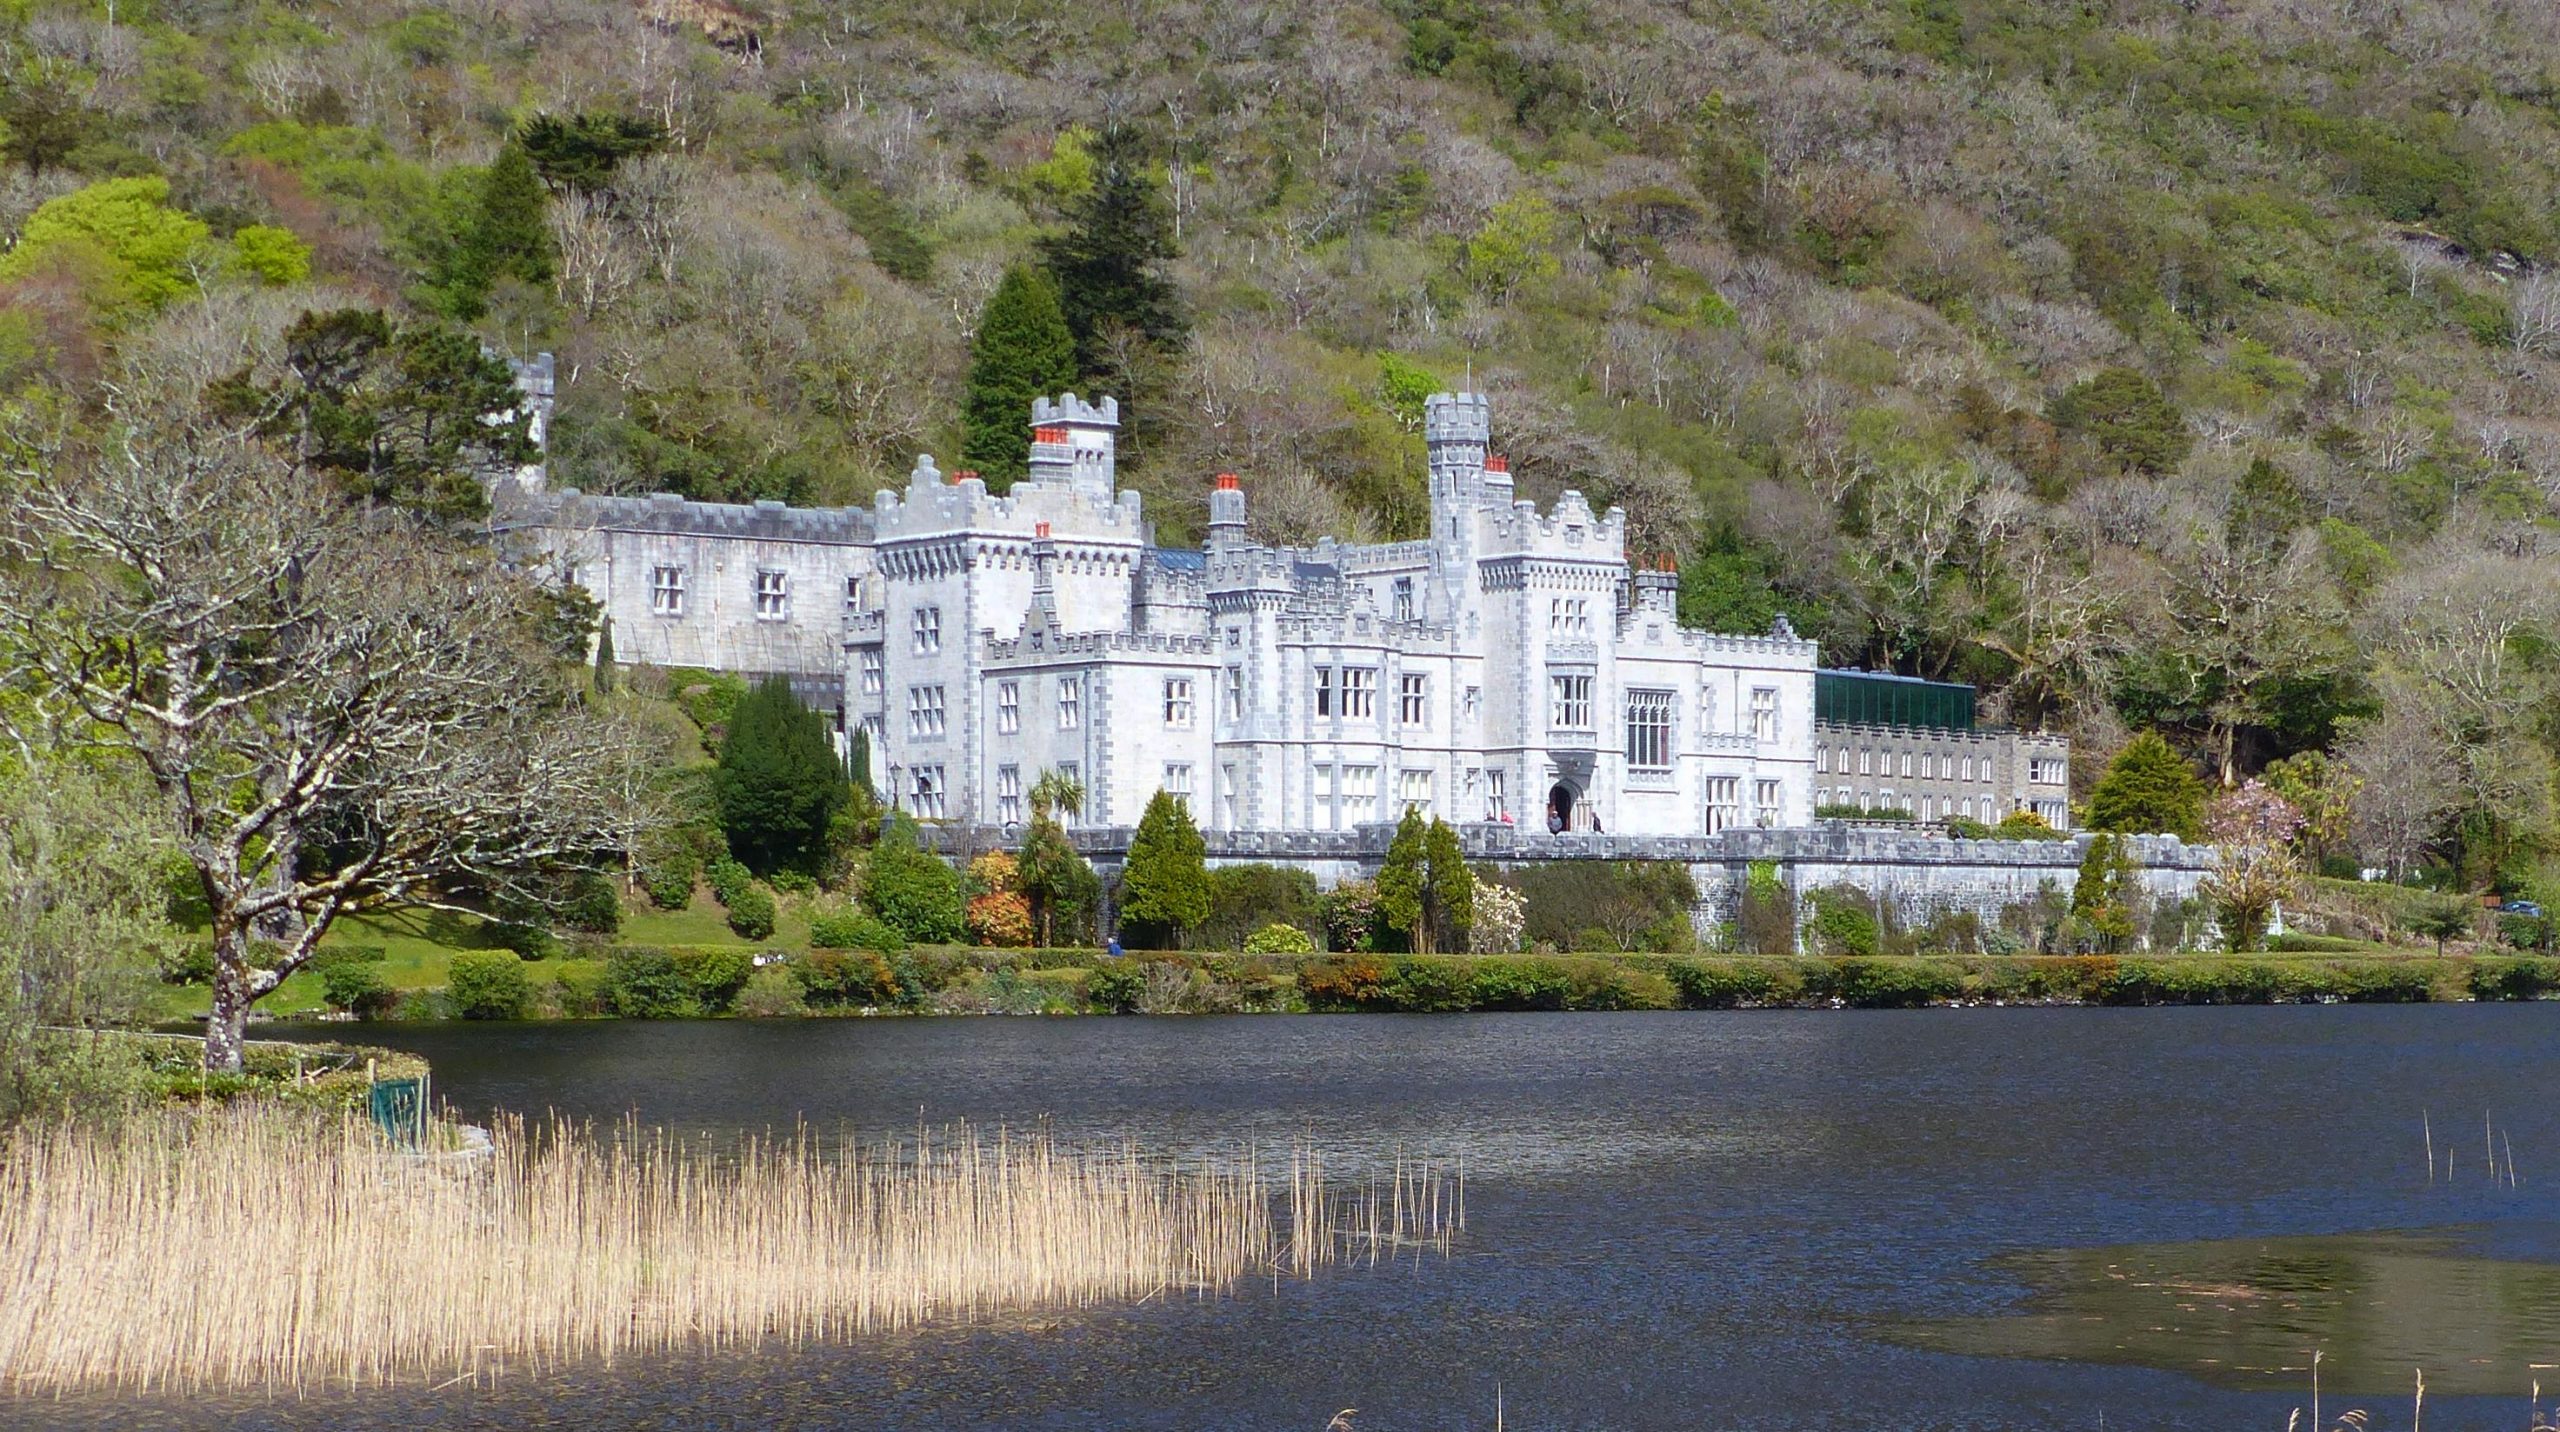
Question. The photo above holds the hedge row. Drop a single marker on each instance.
(692, 981)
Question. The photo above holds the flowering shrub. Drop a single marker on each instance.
(1500, 914)
(1279, 939)
(1001, 918)
(2252, 830)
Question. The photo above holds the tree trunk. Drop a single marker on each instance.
(222, 1028)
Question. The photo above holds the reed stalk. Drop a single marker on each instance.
(260, 1250)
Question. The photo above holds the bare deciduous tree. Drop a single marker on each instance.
(340, 708)
(2407, 783)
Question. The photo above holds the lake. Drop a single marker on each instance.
(1994, 1219)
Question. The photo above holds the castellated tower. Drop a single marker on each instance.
(1072, 443)
(1456, 430)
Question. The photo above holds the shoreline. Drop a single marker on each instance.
(955, 982)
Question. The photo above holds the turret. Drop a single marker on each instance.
(1072, 444)
(1455, 429)
(1226, 514)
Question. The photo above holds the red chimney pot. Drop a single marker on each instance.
(1497, 463)
(1040, 529)
(1227, 482)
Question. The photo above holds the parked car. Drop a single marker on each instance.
(2521, 907)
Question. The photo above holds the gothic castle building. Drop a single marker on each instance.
(1512, 668)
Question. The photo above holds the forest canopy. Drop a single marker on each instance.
(2149, 365)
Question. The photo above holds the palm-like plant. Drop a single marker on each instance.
(1058, 792)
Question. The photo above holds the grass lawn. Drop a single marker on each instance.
(704, 922)
(418, 947)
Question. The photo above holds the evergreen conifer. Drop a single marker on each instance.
(1452, 889)
(581, 151)
(2148, 790)
(2089, 889)
(1165, 889)
(604, 658)
(509, 236)
(780, 782)
(1023, 351)
(2266, 507)
(1109, 262)
(1404, 882)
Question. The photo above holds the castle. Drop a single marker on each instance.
(1513, 668)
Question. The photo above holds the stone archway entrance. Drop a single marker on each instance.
(1560, 808)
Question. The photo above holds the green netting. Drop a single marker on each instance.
(1873, 698)
(399, 1109)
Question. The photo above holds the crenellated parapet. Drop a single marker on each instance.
(1098, 644)
(666, 514)
(1569, 530)
(933, 505)
(1777, 646)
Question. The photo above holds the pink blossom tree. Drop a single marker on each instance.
(2252, 830)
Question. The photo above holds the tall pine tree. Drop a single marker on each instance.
(1109, 264)
(1023, 351)
(780, 782)
(509, 234)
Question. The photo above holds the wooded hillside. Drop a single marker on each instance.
(2178, 364)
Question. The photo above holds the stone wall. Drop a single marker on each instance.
(1920, 876)
(1917, 876)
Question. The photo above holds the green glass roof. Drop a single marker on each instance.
(1880, 698)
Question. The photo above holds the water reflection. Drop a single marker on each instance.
(2247, 1313)
(1673, 1220)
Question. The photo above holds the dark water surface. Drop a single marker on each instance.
(1750, 1220)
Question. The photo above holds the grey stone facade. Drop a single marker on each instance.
(1937, 775)
(760, 589)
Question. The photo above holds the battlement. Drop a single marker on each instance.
(1168, 575)
(1569, 529)
(1779, 646)
(1073, 645)
(664, 513)
(1241, 567)
(1384, 556)
(1069, 410)
(1364, 629)
(1457, 418)
(933, 505)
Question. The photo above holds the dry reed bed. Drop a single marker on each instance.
(249, 1250)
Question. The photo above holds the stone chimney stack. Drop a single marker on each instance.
(1226, 514)
(1658, 586)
